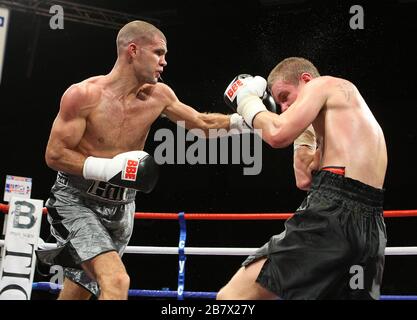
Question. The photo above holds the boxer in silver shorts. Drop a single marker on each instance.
(87, 218)
(96, 143)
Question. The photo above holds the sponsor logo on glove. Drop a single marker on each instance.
(231, 91)
(130, 170)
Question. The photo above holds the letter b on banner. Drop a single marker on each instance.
(24, 215)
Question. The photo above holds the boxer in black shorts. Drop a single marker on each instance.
(333, 247)
(338, 225)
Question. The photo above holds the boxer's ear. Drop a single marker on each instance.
(132, 49)
(306, 77)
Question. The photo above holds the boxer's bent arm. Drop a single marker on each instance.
(67, 131)
(305, 161)
(279, 131)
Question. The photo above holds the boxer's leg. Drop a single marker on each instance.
(110, 273)
(73, 291)
(243, 285)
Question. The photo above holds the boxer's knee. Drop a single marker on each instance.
(231, 291)
(111, 275)
(225, 293)
(118, 280)
(114, 285)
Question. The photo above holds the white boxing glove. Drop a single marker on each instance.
(133, 169)
(238, 124)
(249, 98)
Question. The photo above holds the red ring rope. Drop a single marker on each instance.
(233, 216)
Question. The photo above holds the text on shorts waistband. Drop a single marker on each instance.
(97, 189)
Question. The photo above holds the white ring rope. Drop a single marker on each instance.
(390, 251)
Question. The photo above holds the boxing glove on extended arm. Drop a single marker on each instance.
(133, 169)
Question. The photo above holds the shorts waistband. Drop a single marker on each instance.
(348, 188)
(97, 190)
(336, 170)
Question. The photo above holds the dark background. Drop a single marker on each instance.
(209, 42)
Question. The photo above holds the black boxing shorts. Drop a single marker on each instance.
(333, 246)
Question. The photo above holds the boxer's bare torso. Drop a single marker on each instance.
(94, 120)
(348, 134)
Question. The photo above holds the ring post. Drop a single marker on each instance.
(181, 256)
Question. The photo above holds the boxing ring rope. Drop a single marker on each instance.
(231, 216)
(54, 288)
(250, 216)
(182, 250)
(210, 251)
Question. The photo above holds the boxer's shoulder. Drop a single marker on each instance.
(325, 86)
(324, 81)
(163, 92)
(85, 88)
(80, 96)
(330, 82)
(161, 88)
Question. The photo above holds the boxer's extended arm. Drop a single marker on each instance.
(193, 119)
(280, 131)
(178, 111)
(67, 130)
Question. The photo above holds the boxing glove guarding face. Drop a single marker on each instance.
(231, 92)
(269, 102)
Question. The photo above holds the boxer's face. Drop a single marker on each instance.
(150, 61)
(284, 93)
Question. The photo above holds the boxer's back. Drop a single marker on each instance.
(350, 136)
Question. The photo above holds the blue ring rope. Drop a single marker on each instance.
(54, 288)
